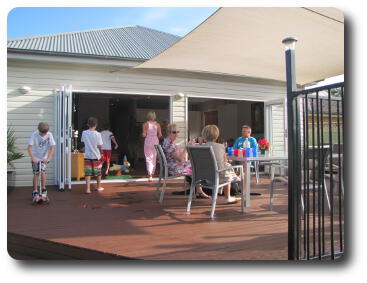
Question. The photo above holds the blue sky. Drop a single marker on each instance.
(31, 21)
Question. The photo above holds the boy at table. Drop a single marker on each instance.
(246, 134)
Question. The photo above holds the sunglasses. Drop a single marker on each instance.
(175, 132)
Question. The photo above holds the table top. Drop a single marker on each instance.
(259, 158)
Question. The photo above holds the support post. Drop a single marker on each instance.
(292, 149)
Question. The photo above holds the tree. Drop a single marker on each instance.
(336, 92)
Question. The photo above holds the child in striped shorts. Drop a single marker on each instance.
(92, 154)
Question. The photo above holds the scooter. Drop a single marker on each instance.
(39, 199)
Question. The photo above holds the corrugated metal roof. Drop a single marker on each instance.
(133, 42)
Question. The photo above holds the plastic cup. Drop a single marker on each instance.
(249, 152)
(236, 152)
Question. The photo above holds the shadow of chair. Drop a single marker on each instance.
(312, 182)
(205, 173)
(163, 173)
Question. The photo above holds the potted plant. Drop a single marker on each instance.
(264, 145)
(12, 154)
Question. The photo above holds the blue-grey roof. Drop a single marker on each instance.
(131, 42)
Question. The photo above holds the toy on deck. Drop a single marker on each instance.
(41, 195)
(119, 169)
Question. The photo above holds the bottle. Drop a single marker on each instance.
(246, 148)
(246, 143)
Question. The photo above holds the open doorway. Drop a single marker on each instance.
(125, 114)
(228, 115)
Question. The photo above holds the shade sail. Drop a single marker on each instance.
(247, 42)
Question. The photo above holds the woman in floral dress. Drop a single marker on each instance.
(177, 162)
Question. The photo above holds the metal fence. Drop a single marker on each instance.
(317, 188)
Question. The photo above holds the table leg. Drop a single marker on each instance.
(248, 179)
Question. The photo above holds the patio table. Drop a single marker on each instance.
(246, 162)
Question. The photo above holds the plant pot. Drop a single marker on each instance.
(10, 179)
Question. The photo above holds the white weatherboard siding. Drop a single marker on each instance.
(25, 111)
(24, 114)
(277, 128)
(179, 117)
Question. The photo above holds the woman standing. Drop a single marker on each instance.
(151, 132)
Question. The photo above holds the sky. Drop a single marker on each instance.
(32, 21)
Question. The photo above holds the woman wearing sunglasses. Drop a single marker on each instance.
(177, 162)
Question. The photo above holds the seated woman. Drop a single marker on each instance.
(177, 162)
(210, 134)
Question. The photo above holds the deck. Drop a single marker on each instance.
(126, 221)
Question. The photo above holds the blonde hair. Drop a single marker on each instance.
(170, 127)
(246, 127)
(210, 132)
(151, 115)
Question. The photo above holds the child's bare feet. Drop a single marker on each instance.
(87, 192)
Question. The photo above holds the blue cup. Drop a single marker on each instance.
(230, 151)
(254, 151)
(247, 149)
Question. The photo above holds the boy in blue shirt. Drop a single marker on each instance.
(246, 135)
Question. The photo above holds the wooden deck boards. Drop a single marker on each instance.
(127, 220)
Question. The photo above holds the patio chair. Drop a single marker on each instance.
(163, 173)
(254, 166)
(205, 173)
(303, 187)
(333, 162)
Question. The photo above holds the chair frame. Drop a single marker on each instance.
(163, 173)
(285, 180)
(214, 185)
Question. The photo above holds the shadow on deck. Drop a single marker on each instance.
(126, 221)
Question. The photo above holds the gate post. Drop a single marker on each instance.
(289, 44)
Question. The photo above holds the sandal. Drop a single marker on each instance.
(202, 195)
(232, 200)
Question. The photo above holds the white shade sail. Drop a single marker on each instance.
(248, 42)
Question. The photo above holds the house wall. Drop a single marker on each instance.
(25, 111)
(277, 131)
(179, 117)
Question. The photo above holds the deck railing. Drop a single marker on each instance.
(317, 188)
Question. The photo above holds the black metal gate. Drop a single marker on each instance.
(316, 179)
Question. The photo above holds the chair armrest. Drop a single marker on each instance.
(279, 166)
(230, 167)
